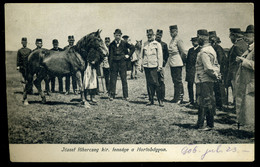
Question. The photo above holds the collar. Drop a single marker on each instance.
(118, 42)
(151, 41)
(251, 46)
(206, 45)
(196, 47)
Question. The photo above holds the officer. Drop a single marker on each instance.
(56, 47)
(190, 67)
(119, 54)
(152, 62)
(207, 72)
(158, 38)
(176, 62)
(71, 41)
(22, 59)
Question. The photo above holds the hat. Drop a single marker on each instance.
(235, 30)
(107, 39)
(250, 29)
(71, 38)
(203, 32)
(24, 39)
(173, 27)
(149, 31)
(125, 37)
(38, 40)
(212, 34)
(55, 41)
(159, 32)
(118, 31)
(194, 39)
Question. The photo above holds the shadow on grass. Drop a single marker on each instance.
(28, 94)
(241, 134)
(225, 119)
(186, 126)
(195, 112)
(138, 102)
(54, 103)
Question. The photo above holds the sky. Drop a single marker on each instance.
(59, 20)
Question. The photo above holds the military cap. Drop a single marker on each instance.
(38, 40)
(118, 31)
(107, 39)
(203, 32)
(159, 31)
(235, 30)
(194, 39)
(149, 31)
(55, 41)
(173, 27)
(212, 34)
(125, 37)
(24, 39)
(250, 29)
(71, 38)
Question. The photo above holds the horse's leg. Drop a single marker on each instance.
(81, 88)
(27, 88)
(41, 75)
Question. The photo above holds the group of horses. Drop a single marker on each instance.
(72, 61)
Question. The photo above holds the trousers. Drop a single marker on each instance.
(106, 73)
(176, 73)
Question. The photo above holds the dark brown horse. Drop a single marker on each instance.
(72, 61)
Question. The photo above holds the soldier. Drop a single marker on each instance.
(152, 62)
(119, 55)
(165, 52)
(176, 62)
(22, 60)
(238, 48)
(106, 67)
(56, 47)
(71, 41)
(38, 44)
(207, 72)
(128, 62)
(190, 67)
(219, 88)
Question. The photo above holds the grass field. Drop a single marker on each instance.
(63, 120)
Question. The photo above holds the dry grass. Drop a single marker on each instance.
(63, 120)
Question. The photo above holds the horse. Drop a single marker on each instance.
(135, 59)
(72, 61)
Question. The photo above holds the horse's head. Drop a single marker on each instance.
(138, 45)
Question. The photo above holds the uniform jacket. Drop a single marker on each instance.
(245, 88)
(22, 57)
(221, 56)
(190, 63)
(207, 67)
(237, 49)
(176, 52)
(152, 55)
(165, 52)
(118, 53)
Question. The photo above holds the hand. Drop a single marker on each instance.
(93, 62)
(127, 56)
(239, 59)
(18, 68)
(159, 69)
(141, 68)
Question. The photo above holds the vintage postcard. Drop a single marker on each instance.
(130, 82)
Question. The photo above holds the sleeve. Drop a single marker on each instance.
(250, 64)
(18, 63)
(131, 47)
(165, 54)
(181, 50)
(160, 55)
(208, 66)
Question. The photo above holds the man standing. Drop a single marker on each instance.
(22, 59)
(190, 67)
(176, 58)
(165, 52)
(152, 62)
(128, 62)
(245, 81)
(207, 72)
(118, 50)
(56, 47)
(38, 44)
(238, 48)
(71, 41)
(106, 67)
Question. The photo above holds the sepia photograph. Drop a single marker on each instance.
(130, 82)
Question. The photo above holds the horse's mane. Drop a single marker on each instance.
(81, 44)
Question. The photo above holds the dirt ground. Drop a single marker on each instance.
(63, 120)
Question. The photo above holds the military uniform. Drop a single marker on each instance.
(106, 68)
(22, 59)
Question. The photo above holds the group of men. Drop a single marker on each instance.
(22, 61)
(206, 63)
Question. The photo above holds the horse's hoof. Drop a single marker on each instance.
(26, 102)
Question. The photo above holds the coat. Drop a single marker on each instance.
(152, 55)
(22, 57)
(245, 88)
(190, 64)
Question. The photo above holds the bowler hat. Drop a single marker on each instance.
(38, 40)
(212, 34)
(194, 39)
(159, 32)
(125, 37)
(24, 39)
(149, 31)
(107, 39)
(55, 41)
(203, 32)
(173, 27)
(118, 31)
(71, 38)
(250, 29)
